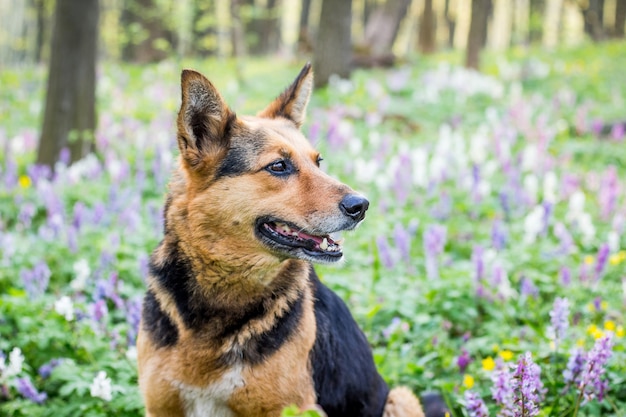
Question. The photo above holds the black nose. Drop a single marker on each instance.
(354, 206)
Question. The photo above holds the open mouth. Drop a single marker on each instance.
(288, 238)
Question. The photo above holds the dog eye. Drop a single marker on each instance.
(319, 159)
(279, 168)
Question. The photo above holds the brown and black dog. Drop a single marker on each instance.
(235, 322)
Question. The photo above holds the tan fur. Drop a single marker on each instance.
(401, 402)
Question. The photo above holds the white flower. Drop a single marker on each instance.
(14, 367)
(82, 271)
(101, 387)
(588, 230)
(16, 360)
(131, 354)
(419, 162)
(613, 241)
(576, 205)
(533, 224)
(531, 185)
(550, 184)
(65, 307)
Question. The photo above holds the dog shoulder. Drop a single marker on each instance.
(344, 373)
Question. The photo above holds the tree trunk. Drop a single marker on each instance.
(70, 117)
(428, 25)
(451, 22)
(594, 18)
(477, 32)
(147, 37)
(620, 18)
(383, 25)
(304, 36)
(333, 48)
(552, 22)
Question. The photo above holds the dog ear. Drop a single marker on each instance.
(204, 119)
(291, 104)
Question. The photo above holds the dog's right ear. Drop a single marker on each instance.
(204, 120)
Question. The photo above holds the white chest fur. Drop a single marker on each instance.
(211, 400)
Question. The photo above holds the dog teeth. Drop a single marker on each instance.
(324, 244)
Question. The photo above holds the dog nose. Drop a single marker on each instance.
(354, 206)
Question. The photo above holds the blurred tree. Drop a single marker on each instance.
(593, 13)
(333, 47)
(305, 44)
(70, 116)
(383, 24)
(427, 27)
(204, 27)
(552, 22)
(263, 26)
(620, 18)
(147, 36)
(237, 32)
(450, 16)
(477, 32)
(42, 11)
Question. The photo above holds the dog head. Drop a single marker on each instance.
(253, 183)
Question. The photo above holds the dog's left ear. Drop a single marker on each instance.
(291, 104)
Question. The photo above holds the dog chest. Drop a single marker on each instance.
(211, 400)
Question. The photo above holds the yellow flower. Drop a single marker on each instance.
(594, 331)
(615, 259)
(604, 305)
(468, 381)
(589, 260)
(507, 355)
(609, 325)
(580, 343)
(488, 363)
(25, 181)
(620, 331)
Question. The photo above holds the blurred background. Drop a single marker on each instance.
(70, 36)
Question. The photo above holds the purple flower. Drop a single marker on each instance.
(618, 131)
(565, 276)
(402, 240)
(528, 288)
(502, 390)
(559, 320)
(133, 316)
(98, 310)
(384, 252)
(36, 280)
(27, 212)
(574, 368)
(609, 192)
(527, 387)
(591, 384)
(463, 361)
(565, 238)
(479, 262)
(498, 235)
(602, 258)
(26, 388)
(46, 369)
(475, 405)
(434, 242)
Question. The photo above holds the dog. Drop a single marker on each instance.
(235, 322)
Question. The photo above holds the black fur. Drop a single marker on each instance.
(240, 155)
(217, 322)
(157, 324)
(345, 377)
